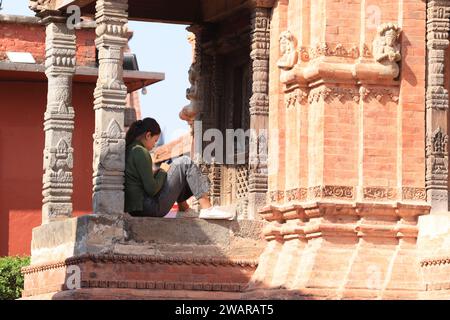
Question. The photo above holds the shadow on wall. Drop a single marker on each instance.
(406, 73)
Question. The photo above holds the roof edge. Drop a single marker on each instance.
(11, 18)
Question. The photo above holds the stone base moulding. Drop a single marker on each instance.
(97, 256)
(144, 273)
(340, 250)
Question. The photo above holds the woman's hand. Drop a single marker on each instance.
(165, 167)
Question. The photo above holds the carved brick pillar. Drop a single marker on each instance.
(109, 105)
(58, 119)
(438, 26)
(259, 109)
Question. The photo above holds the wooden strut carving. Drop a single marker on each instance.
(259, 109)
(436, 178)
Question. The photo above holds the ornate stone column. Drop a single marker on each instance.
(58, 119)
(259, 108)
(109, 105)
(438, 26)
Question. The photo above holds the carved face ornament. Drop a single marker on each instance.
(391, 37)
(286, 42)
(389, 32)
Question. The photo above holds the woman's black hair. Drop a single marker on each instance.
(140, 127)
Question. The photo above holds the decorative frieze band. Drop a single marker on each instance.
(379, 193)
(414, 194)
(347, 193)
(101, 258)
(299, 194)
(318, 192)
(296, 96)
(334, 50)
(379, 93)
(328, 93)
(276, 196)
(334, 192)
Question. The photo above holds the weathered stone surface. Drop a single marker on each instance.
(95, 234)
(60, 240)
(109, 105)
(58, 121)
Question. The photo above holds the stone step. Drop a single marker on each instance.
(126, 235)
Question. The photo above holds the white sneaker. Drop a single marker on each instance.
(216, 213)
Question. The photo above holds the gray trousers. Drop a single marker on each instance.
(184, 180)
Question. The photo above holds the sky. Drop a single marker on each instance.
(159, 48)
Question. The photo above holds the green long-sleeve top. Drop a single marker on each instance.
(139, 177)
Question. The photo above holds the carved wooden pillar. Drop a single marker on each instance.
(109, 105)
(194, 112)
(438, 27)
(58, 119)
(259, 109)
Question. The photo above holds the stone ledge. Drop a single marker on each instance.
(312, 209)
(156, 238)
(212, 261)
(11, 18)
(135, 294)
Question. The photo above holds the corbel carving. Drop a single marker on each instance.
(386, 49)
(322, 63)
(290, 72)
(189, 112)
(39, 5)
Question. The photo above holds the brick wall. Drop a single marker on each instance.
(30, 37)
(375, 142)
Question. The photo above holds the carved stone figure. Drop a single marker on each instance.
(288, 61)
(38, 5)
(189, 112)
(386, 49)
(288, 48)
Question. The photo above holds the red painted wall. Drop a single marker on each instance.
(22, 108)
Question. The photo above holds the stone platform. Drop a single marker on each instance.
(142, 258)
(310, 251)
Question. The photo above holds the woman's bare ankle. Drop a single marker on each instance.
(183, 206)
(204, 202)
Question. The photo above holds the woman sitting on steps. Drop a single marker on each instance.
(152, 194)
